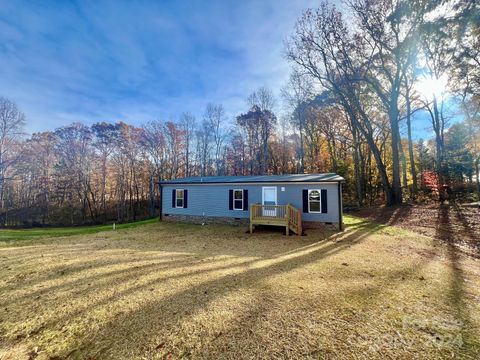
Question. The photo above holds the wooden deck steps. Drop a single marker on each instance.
(276, 215)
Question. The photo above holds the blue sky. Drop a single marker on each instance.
(89, 61)
(135, 61)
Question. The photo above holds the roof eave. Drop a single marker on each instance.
(249, 182)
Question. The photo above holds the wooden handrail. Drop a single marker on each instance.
(268, 211)
(285, 215)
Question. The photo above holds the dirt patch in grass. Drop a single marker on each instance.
(452, 223)
(187, 291)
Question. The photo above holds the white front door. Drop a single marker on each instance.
(269, 197)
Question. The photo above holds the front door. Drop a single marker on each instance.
(269, 198)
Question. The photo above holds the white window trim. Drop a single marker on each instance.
(183, 199)
(243, 197)
(319, 201)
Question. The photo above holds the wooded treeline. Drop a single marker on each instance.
(360, 77)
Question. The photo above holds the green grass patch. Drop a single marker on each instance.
(358, 223)
(23, 234)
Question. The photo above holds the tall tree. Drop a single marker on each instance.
(297, 93)
(459, 164)
(471, 109)
(104, 143)
(390, 32)
(154, 144)
(460, 25)
(73, 170)
(259, 125)
(409, 80)
(323, 47)
(188, 124)
(262, 102)
(215, 118)
(12, 121)
(204, 146)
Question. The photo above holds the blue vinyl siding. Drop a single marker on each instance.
(213, 200)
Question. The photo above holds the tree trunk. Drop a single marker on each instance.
(302, 146)
(396, 185)
(356, 166)
(151, 208)
(413, 171)
(387, 189)
(477, 171)
(438, 128)
(404, 165)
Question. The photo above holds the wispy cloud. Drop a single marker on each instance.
(136, 61)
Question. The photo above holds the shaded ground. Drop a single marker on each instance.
(21, 234)
(451, 223)
(184, 291)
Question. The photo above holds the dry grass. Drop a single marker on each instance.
(216, 292)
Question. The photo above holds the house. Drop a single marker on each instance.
(232, 199)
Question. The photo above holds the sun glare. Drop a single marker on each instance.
(429, 86)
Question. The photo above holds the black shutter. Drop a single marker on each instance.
(245, 199)
(305, 201)
(230, 199)
(185, 198)
(174, 198)
(324, 201)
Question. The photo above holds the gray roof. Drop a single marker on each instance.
(314, 178)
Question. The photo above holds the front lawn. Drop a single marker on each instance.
(47, 232)
(166, 290)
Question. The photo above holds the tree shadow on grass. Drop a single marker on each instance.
(239, 275)
(56, 321)
(389, 215)
(76, 268)
(471, 237)
(90, 284)
(170, 311)
(172, 247)
(457, 293)
(131, 268)
(221, 244)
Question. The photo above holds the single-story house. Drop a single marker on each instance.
(228, 199)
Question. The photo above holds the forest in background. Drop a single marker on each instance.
(359, 78)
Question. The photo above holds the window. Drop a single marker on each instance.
(179, 198)
(314, 201)
(237, 199)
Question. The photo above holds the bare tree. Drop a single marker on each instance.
(390, 32)
(154, 144)
(262, 102)
(187, 124)
(12, 121)
(73, 170)
(297, 92)
(323, 47)
(215, 118)
(104, 143)
(409, 80)
(203, 136)
(263, 98)
(460, 23)
(471, 109)
(258, 125)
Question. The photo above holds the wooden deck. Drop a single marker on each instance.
(277, 215)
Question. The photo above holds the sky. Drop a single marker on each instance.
(136, 61)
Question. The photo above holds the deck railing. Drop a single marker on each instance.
(280, 215)
(269, 212)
